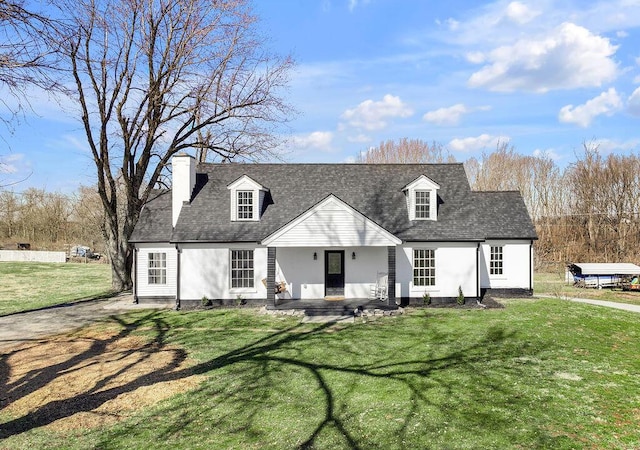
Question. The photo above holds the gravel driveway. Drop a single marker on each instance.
(28, 326)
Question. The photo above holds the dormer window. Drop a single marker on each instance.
(245, 205)
(423, 202)
(247, 199)
(422, 199)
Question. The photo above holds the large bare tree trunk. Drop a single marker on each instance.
(156, 78)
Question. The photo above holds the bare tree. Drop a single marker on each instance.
(154, 78)
(405, 151)
(27, 50)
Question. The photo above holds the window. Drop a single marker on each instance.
(241, 269)
(423, 204)
(157, 268)
(424, 267)
(495, 263)
(245, 205)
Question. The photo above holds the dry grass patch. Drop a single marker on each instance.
(92, 378)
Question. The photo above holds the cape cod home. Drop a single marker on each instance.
(273, 233)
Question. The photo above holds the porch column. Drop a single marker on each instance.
(271, 275)
(391, 276)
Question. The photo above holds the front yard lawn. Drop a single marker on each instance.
(537, 374)
(30, 285)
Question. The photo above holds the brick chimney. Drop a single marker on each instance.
(183, 168)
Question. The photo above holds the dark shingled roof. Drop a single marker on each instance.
(374, 190)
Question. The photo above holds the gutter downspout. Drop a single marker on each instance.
(531, 266)
(135, 275)
(178, 251)
(478, 272)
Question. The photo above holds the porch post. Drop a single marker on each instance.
(391, 276)
(271, 275)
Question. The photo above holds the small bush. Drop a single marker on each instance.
(460, 298)
(206, 301)
(426, 299)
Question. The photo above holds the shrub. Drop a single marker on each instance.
(206, 301)
(426, 299)
(460, 298)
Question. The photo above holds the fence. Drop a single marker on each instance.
(32, 256)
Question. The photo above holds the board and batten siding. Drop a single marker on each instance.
(205, 271)
(455, 267)
(143, 288)
(516, 261)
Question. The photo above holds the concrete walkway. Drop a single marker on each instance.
(32, 325)
(605, 303)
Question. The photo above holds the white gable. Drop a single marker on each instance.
(422, 185)
(256, 197)
(422, 182)
(245, 183)
(331, 223)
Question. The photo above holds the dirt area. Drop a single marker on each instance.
(93, 377)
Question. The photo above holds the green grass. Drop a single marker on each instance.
(29, 285)
(555, 284)
(537, 374)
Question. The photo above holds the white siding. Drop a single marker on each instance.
(305, 276)
(455, 267)
(516, 260)
(204, 271)
(332, 224)
(143, 288)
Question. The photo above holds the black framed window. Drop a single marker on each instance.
(242, 269)
(496, 261)
(424, 267)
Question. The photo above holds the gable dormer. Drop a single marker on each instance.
(247, 199)
(422, 198)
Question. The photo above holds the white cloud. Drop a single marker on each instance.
(606, 103)
(633, 103)
(450, 115)
(606, 146)
(371, 115)
(520, 13)
(353, 4)
(9, 163)
(319, 140)
(360, 138)
(570, 56)
(470, 144)
(547, 153)
(446, 116)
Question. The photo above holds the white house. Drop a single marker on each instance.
(248, 231)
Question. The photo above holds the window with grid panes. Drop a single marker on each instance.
(245, 205)
(241, 268)
(495, 262)
(423, 204)
(424, 267)
(157, 268)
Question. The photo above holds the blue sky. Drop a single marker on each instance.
(545, 76)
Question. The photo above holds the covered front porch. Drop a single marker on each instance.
(331, 252)
(332, 277)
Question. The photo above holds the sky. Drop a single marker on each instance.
(544, 76)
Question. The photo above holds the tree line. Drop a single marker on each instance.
(587, 211)
(51, 221)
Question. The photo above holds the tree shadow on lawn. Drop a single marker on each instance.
(250, 370)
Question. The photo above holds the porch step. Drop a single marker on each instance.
(329, 310)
